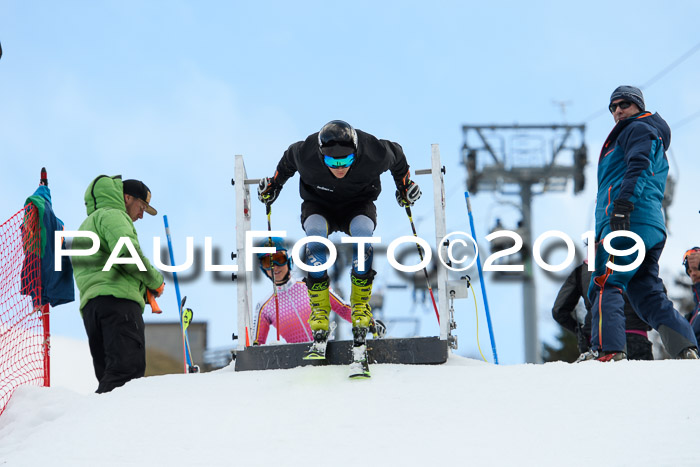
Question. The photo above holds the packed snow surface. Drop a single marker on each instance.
(464, 412)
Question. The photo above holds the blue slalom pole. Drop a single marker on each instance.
(481, 280)
(177, 292)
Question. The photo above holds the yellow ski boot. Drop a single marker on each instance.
(319, 299)
(361, 292)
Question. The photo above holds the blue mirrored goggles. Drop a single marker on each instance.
(339, 162)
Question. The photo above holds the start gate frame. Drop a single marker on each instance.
(412, 350)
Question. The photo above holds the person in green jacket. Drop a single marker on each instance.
(112, 301)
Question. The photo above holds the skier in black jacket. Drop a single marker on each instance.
(339, 169)
(564, 312)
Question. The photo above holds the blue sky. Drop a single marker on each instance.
(168, 92)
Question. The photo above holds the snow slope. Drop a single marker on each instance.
(464, 412)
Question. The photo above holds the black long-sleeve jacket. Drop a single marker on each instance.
(317, 184)
(574, 288)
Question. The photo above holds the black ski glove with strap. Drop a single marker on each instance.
(268, 190)
(377, 328)
(408, 194)
(620, 215)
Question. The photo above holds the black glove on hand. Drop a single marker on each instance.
(620, 215)
(377, 328)
(583, 340)
(268, 190)
(408, 194)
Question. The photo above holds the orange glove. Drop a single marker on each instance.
(152, 301)
(159, 291)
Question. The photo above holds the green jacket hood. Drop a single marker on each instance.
(108, 219)
(105, 192)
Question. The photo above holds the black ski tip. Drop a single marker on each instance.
(360, 376)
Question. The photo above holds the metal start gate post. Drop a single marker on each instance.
(244, 279)
(437, 171)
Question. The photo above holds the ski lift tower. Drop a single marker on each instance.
(525, 160)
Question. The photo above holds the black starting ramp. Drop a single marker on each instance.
(409, 351)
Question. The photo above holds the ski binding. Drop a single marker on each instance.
(317, 351)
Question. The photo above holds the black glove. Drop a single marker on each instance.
(620, 215)
(583, 339)
(408, 194)
(377, 328)
(268, 190)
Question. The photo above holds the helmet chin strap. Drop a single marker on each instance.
(285, 279)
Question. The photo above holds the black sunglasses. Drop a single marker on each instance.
(623, 105)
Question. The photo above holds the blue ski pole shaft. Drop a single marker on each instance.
(481, 280)
(177, 287)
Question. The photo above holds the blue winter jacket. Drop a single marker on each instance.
(633, 167)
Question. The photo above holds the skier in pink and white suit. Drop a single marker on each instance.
(294, 308)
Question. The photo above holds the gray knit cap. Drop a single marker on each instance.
(629, 93)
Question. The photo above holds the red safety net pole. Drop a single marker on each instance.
(45, 320)
(24, 321)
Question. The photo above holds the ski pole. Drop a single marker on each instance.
(425, 271)
(188, 358)
(481, 279)
(268, 208)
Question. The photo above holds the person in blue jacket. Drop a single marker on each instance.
(632, 171)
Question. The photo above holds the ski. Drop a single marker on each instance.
(317, 351)
(187, 314)
(188, 364)
(359, 368)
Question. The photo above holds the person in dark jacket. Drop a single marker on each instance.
(574, 288)
(339, 169)
(632, 171)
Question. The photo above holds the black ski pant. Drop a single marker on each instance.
(115, 331)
